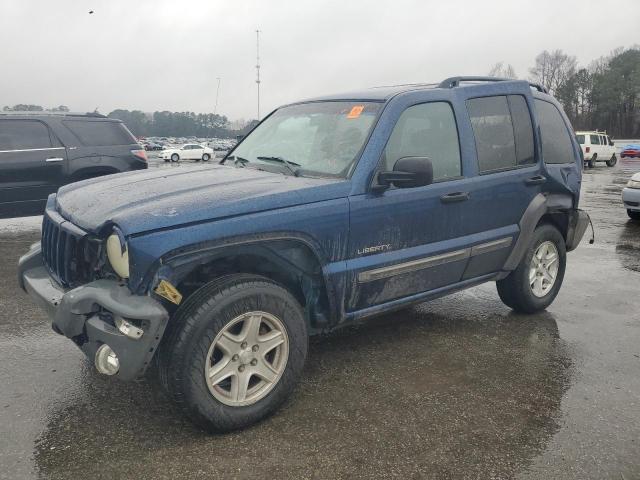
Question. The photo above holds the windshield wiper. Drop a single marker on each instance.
(287, 163)
(236, 160)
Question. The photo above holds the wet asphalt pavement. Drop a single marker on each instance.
(457, 388)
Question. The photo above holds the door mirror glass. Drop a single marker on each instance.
(408, 172)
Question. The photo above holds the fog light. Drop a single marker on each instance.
(107, 361)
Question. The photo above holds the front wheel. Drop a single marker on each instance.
(633, 214)
(534, 284)
(612, 161)
(235, 353)
(175, 157)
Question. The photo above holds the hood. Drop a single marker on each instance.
(158, 198)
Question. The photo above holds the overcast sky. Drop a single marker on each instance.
(166, 54)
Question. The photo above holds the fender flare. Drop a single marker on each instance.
(175, 265)
(538, 207)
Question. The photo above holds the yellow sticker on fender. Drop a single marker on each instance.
(168, 291)
(356, 111)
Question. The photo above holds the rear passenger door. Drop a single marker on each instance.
(507, 173)
(32, 166)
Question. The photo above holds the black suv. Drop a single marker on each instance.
(40, 152)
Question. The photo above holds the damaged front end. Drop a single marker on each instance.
(69, 277)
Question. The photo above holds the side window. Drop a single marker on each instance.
(426, 130)
(556, 142)
(493, 131)
(100, 133)
(522, 130)
(23, 135)
(595, 139)
(603, 140)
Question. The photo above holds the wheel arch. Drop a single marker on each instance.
(554, 209)
(92, 172)
(290, 262)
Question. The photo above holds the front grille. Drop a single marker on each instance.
(62, 249)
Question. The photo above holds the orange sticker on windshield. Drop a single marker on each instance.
(356, 111)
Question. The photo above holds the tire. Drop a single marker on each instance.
(612, 161)
(175, 158)
(198, 325)
(206, 157)
(592, 162)
(516, 290)
(633, 215)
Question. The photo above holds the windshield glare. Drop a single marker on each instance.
(323, 138)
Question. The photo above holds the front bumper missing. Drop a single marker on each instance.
(86, 314)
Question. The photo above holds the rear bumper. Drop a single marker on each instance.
(631, 198)
(86, 314)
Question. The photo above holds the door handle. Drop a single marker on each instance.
(454, 197)
(54, 159)
(537, 180)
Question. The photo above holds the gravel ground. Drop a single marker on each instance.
(457, 388)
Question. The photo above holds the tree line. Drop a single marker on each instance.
(604, 95)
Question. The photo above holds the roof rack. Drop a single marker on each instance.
(453, 82)
(49, 113)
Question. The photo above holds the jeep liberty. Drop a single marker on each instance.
(331, 210)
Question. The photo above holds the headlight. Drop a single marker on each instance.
(118, 255)
(633, 184)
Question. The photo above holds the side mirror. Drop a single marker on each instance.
(408, 172)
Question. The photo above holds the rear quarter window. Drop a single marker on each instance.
(100, 134)
(580, 139)
(556, 141)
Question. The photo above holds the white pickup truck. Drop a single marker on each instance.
(597, 147)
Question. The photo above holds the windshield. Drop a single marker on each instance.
(321, 138)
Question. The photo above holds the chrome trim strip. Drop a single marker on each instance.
(491, 246)
(413, 265)
(32, 149)
(428, 262)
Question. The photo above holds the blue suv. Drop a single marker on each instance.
(331, 210)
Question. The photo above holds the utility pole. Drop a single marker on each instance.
(258, 68)
(215, 109)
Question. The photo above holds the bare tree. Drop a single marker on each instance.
(503, 71)
(553, 69)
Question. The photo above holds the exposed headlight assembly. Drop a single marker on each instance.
(118, 253)
(633, 184)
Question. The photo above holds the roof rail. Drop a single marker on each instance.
(453, 82)
(49, 113)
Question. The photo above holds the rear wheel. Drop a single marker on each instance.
(235, 353)
(633, 215)
(592, 162)
(611, 162)
(206, 157)
(534, 284)
(175, 158)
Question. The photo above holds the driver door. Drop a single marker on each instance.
(405, 241)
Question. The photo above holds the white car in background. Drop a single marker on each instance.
(188, 151)
(631, 197)
(597, 147)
